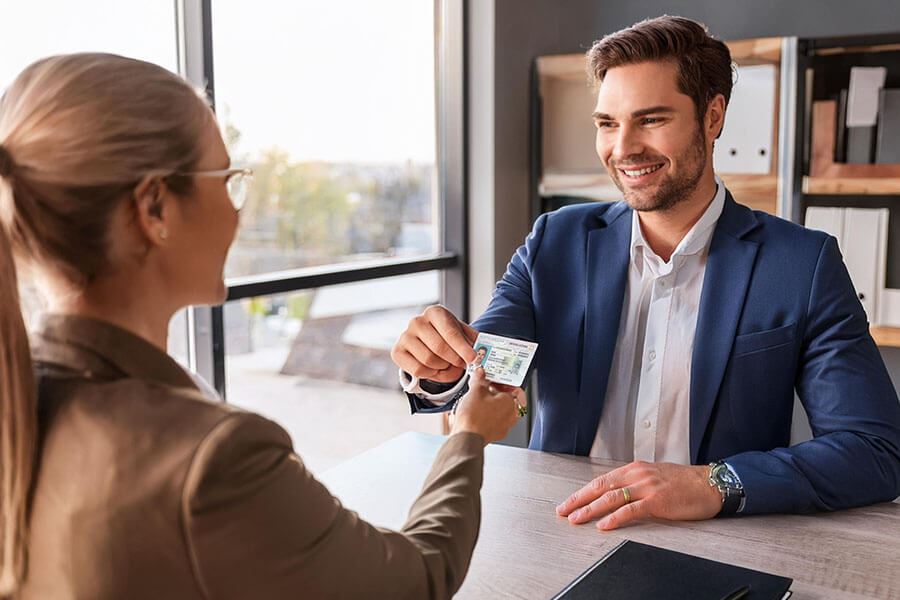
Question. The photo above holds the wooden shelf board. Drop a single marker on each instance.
(755, 51)
(856, 49)
(886, 336)
(851, 185)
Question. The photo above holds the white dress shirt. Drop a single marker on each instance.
(646, 411)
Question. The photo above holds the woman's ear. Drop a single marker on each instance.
(150, 203)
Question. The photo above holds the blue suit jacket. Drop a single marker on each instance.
(778, 313)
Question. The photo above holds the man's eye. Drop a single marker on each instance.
(651, 120)
(604, 124)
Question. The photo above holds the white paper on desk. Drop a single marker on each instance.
(862, 97)
(504, 360)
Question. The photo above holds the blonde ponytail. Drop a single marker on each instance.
(18, 425)
(78, 132)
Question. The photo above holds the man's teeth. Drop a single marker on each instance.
(640, 172)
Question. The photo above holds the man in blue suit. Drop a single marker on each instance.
(675, 328)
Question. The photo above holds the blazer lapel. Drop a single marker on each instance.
(729, 267)
(606, 272)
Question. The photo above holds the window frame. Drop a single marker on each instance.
(206, 325)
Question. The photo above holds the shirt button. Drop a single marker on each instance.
(647, 423)
(652, 355)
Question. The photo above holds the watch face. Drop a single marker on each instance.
(724, 476)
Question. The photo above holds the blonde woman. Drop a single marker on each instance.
(118, 477)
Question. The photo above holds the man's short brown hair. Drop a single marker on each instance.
(704, 63)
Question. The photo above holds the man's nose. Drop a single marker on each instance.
(627, 143)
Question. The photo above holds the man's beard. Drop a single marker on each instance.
(672, 189)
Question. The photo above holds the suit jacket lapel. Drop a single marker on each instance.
(729, 267)
(606, 272)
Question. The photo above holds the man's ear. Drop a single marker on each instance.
(150, 200)
(715, 117)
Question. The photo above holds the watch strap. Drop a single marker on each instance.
(732, 497)
(731, 501)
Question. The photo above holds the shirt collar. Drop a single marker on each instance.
(99, 350)
(696, 240)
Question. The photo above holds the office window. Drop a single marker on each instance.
(334, 105)
(143, 29)
(332, 102)
(178, 337)
(318, 362)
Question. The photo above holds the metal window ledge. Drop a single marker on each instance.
(282, 282)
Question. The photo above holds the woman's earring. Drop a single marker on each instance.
(163, 234)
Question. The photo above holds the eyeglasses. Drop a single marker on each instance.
(236, 180)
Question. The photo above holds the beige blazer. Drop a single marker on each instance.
(146, 489)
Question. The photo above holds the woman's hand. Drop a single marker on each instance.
(488, 409)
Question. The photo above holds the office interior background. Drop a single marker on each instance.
(403, 148)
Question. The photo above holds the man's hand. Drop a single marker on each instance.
(435, 346)
(661, 490)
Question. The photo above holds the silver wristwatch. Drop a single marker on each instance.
(729, 485)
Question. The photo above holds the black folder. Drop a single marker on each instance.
(633, 570)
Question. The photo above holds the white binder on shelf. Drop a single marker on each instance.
(889, 308)
(865, 253)
(862, 96)
(862, 238)
(745, 145)
(827, 219)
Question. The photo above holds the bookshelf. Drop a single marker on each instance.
(824, 173)
(859, 186)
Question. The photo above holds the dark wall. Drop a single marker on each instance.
(736, 19)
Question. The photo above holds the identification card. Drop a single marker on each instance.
(504, 360)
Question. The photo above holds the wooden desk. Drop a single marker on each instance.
(526, 551)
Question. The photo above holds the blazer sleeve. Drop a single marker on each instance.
(511, 311)
(854, 457)
(259, 525)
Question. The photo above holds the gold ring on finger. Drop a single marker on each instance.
(626, 493)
